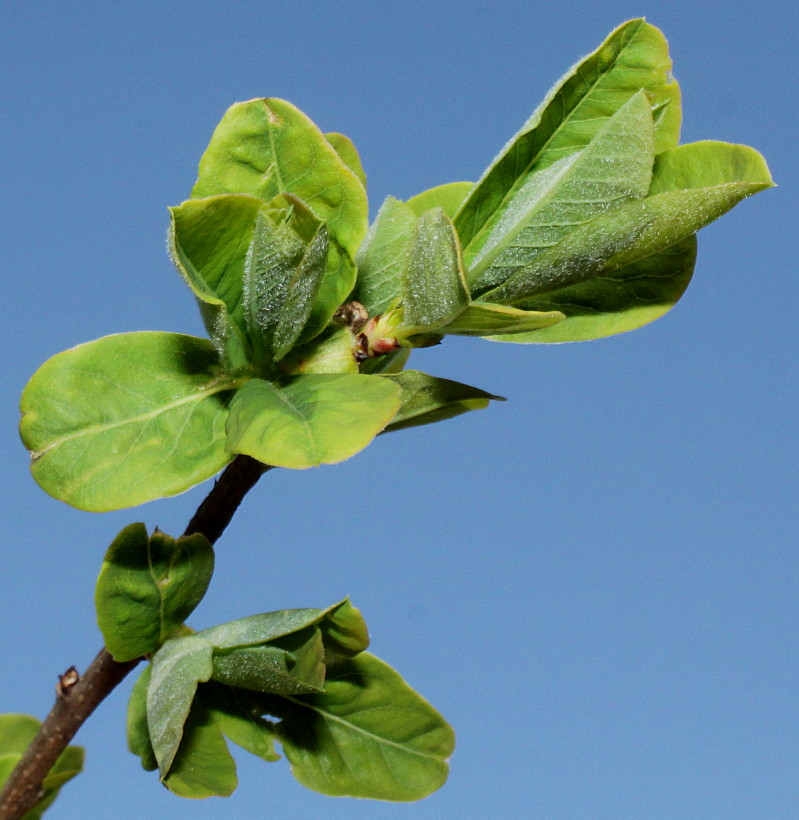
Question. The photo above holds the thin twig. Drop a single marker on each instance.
(76, 702)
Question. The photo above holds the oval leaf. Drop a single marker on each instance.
(147, 587)
(367, 735)
(126, 419)
(309, 420)
(448, 197)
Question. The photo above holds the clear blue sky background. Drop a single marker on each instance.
(596, 582)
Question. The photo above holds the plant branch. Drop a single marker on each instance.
(77, 701)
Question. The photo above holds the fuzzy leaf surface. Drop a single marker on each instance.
(309, 420)
(126, 419)
(147, 587)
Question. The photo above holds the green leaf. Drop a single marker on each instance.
(634, 57)
(306, 421)
(483, 319)
(367, 735)
(615, 168)
(624, 236)
(381, 259)
(148, 586)
(126, 419)
(16, 734)
(332, 352)
(346, 149)
(434, 288)
(238, 715)
(178, 666)
(344, 632)
(427, 399)
(281, 280)
(137, 730)
(266, 147)
(203, 765)
(448, 197)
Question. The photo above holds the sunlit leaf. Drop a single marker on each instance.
(484, 319)
(346, 149)
(147, 587)
(309, 420)
(126, 419)
(448, 197)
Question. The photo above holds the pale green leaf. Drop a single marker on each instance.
(614, 168)
(126, 419)
(484, 319)
(634, 57)
(427, 399)
(147, 587)
(266, 147)
(346, 149)
(178, 666)
(434, 288)
(203, 765)
(332, 352)
(306, 421)
(367, 735)
(448, 197)
(381, 259)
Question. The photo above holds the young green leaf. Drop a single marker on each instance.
(126, 419)
(381, 259)
(178, 666)
(614, 168)
(203, 765)
(484, 319)
(138, 732)
(346, 149)
(306, 421)
(427, 399)
(266, 147)
(238, 715)
(147, 587)
(635, 56)
(367, 735)
(434, 288)
(16, 734)
(344, 632)
(448, 197)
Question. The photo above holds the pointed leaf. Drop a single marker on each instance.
(346, 149)
(306, 421)
(126, 419)
(344, 632)
(448, 197)
(614, 168)
(427, 399)
(178, 666)
(367, 735)
(148, 586)
(381, 259)
(203, 765)
(266, 147)
(137, 730)
(434, 286)
(484, 319)
(238, 715)
(634, 57)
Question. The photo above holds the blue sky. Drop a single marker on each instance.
(596, 581)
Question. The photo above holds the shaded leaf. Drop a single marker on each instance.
(614, 168)
(344, 632)
(203, 765)
(178, 666)
(484, 319)
(634, 57)
(346, 149)
(266, 147)
(427, 399)
(367, 735)
(238, 715)
(138, 733)
(434, 288)
(309, 420)
(381, 258)
(126, 419)
(147, 587)
(448, 197)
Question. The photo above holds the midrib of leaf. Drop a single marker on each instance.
(233, 384)
(571, 118)
(363, 732)
(273, 147)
